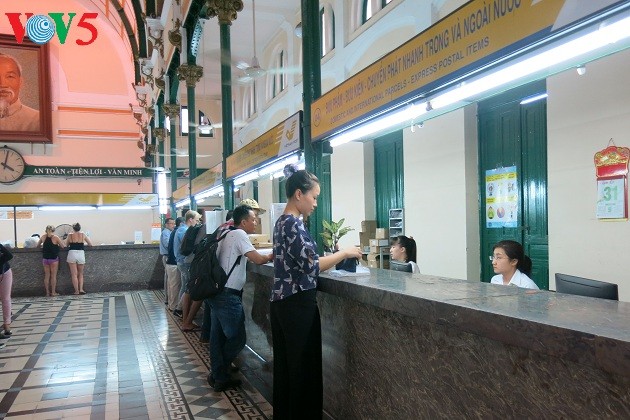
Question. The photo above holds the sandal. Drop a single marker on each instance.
(7, 333)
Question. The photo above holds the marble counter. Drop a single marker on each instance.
(107, 268)
(401, 345)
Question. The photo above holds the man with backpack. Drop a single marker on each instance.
(227, 336)
(190, 219)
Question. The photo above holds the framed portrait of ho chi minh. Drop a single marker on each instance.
(25, 105)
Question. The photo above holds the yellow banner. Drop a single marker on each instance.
(69, 199)
(208, 179)
(280, 140)
(469, 35)
(181, 192)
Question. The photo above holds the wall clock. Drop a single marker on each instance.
(12, 165)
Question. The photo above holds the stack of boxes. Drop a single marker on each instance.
(378, 243)
(373, 240)
(368, 230)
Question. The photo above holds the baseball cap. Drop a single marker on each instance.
(253, 204)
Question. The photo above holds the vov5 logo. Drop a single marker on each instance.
(41, 28)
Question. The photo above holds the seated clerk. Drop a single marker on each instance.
(403, 249)
(511, 265)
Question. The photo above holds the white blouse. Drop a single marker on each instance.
(518, 279)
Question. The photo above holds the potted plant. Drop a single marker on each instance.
(333, 231)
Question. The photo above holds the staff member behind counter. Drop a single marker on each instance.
(512, 266)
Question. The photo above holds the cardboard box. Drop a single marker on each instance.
(257, 239)
(382, 233)
(258, 229)
(374, 260)
(364, 239)
(375, 249)
(368, 226)
(379, 242)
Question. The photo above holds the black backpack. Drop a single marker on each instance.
(207, 277)
(188, 243)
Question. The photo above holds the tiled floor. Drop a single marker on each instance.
(111, 356)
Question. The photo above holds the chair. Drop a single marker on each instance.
(586, 287)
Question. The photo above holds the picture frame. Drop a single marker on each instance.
(34, 93)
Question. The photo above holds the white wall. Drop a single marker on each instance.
(584, 112)
(435, 194)
(352, 187)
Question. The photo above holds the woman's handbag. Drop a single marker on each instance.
(348, 264)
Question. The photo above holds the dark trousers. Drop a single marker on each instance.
(297, 357)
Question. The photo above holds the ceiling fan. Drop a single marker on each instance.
(253, 70)
(180, 153)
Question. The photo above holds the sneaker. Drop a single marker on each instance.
(224, 386)
(8, 333)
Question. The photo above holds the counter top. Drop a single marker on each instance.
(92, 248)
(585, 330)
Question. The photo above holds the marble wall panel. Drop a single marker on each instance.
(396, 367)
(108, 268)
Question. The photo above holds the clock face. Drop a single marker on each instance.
(11, 165)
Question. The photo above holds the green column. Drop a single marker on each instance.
(172, 110)
(191, 73)
(315, 160)
(226, 111)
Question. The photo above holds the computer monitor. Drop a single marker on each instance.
(400, 266)
(586, 287)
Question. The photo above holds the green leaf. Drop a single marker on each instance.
(345, 230)
(327, 225)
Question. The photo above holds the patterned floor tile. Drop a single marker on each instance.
(115, 355)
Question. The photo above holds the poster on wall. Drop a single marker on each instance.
(501, 198)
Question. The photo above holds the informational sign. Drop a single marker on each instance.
(281, 140)
(210, 178)
(474, 35)
(19, 215)
(137, 237)
(611, 202)
(87, 172)
(502, 198)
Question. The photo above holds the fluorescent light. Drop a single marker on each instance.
(395, 118)
(250, 176)
(66, 208)
(534, 98)
(182, 203)
(278, 165)
(592, 41)
(209, 193)
(161, 181)
(124, 207)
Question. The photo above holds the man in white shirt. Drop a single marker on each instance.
(169, 224)
(227, 335)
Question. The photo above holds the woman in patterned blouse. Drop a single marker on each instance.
(295, 321)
